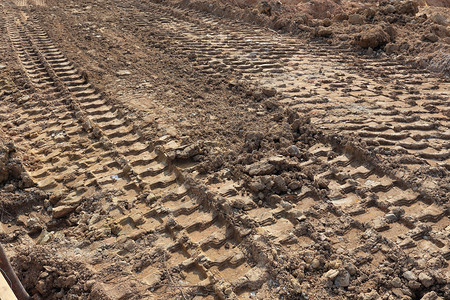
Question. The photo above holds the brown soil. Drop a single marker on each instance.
(225, 149)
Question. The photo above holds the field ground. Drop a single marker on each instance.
(225, 150)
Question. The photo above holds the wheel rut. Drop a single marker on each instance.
(395, 108)
(77, 144)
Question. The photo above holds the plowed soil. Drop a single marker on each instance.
(160, 150)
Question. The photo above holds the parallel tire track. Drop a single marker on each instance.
(85, 145)
(401, 111)
(78, 144)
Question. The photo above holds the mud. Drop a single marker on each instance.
(155, 151)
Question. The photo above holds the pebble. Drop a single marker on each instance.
(315, 264)
(409, 275)
(343, 279)
(293, 150)
(391, 217)
(331, 274)
(439, 19)
(430, 296)
(414, 285)
(356, 19)
(123, 73)
(426, 279)
(269, 92)
(430, 37)
(396, 282)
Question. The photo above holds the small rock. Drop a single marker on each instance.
(343, 279)
(62, 210)
(391, 48)
(426, 279)
(274, 199)
(294, 185)
(151, 198)
(389, 9)
(341, 17)
(315, 264)
(56, 196)
(439, 19)
(372, 38)
(123, 73)
(408, 275)
(390, 217)
(256, 186)
(335, 264)
(238, 203)
(351, 268)
(370, 12)
(331, 274)
(2, 67)
(293, 151)
(441, 31)
(396, 282)
(373, 295)
(409, 7)
(414, 285)
(430, 296)
(260, 168)
(129, 245)
(286, 205)
(356, 19)
(40, 287)
(280, 183)
(430, 37)
(269, 92)
(26, 180)
(324, 31)
(326, 22)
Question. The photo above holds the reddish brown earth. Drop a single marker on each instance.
(225, 149)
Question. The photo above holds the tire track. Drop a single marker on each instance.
(396, 109)
(198, 229)
(80, 144)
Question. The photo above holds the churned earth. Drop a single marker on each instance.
(225, 150)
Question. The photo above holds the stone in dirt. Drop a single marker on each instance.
(430, 37)
(439, 19)
(331, 274)
(409, 275)
(123, 73)
(372, 38)
(61, 211)
(260, 168)
(426, 279)
(430, 296)
(373, 295)
(324, 31)
(269, 92)
(356, 19)
(409, 7)
(343, 279)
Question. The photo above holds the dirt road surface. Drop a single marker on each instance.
(152, 151)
